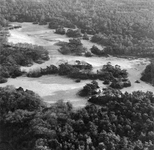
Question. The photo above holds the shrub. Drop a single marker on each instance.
(60, 30)
(88, 54)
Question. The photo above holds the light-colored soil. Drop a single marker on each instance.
(52, 88)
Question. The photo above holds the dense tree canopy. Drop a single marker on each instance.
(73, 47)
(14, 56)
(125, 27)
(122, 121)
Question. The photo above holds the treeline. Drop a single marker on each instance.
(78, 70)
(73, 33)
(13, 56)
(125, 28)
(113, 76)
(125, 45)
(122, 121)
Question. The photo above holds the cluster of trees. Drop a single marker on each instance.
(113, 76)
(14, 56)
(148, 73)
(122, 121)
(113, 71)
(90, 89)
(93, 89)
(73, 47)
(78, 70)
(46, 71)
(74, 33)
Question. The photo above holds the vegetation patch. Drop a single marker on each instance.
(74, 33)
(14, 56)
(148, 74)
(74, 47)
(60, 30)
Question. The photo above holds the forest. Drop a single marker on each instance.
(122, 122)
(125, 28)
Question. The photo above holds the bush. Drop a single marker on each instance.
(88, 54)
(60, 30)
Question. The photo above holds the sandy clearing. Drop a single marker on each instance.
(17, 37)
(52, 88)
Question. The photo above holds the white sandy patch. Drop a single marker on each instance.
(51, 88)
(17, 37)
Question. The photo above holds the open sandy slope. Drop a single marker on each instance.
(52, 88)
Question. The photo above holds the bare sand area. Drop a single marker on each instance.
(53, 88)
